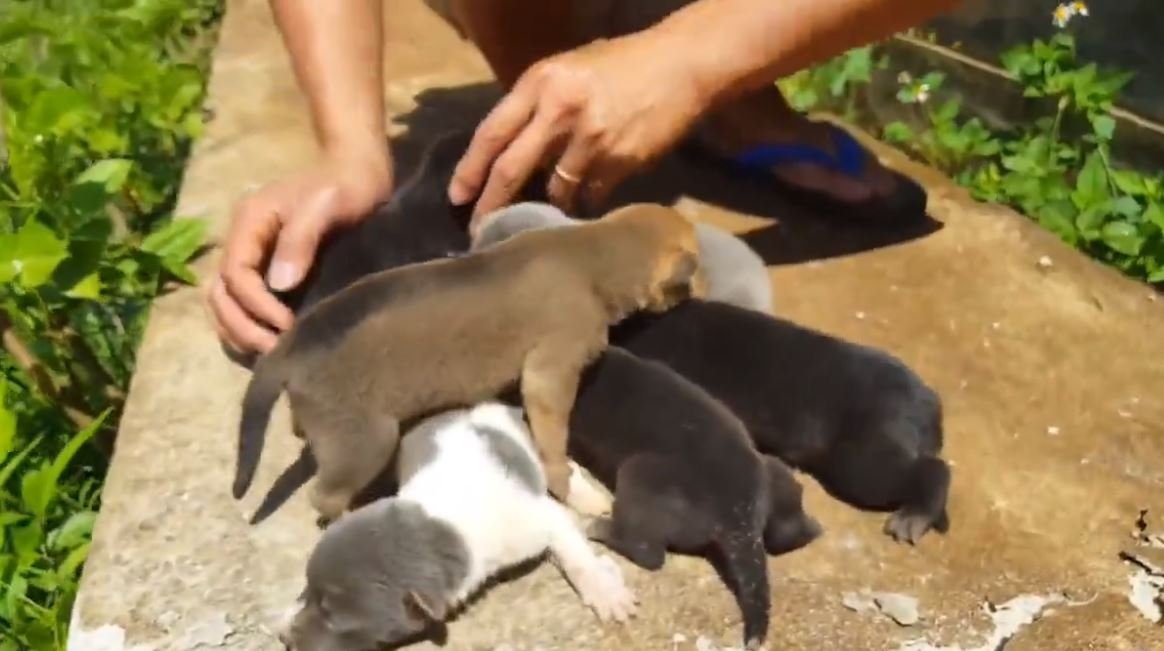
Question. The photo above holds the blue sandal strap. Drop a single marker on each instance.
(849, 158)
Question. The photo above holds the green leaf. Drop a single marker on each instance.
(26, 543)
(1056, 217)
(33, 489)
(179, 270)
(78, 275)
(1122, 237)
(1104, 126)
(52, 474)
(1126, 207)
(177, 240)
(948, 111)
(93, 188)
(897, 132)
(1157, 276)
(933, 80)
(1090, 219)
(1155, 215)
(12, 464)
(16, 26)
(1129, 181)
(110, 174)
(88, 288)
(32, 254)
(7, 423)
(15, 594)
(1091, 185)
(74, 559)
(57, 111)
(75, 531)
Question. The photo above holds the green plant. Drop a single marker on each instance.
(99, 101)
(1057, 168)
(836, 83)
(955, 146)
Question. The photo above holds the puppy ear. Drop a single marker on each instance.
(432, 610)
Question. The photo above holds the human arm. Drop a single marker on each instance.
(336, 52)
(770, 40)
(607, 118)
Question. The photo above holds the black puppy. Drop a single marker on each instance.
(417, 224)
(854, 417)
(686, 477)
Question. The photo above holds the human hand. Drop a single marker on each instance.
(592, 104)
(290, 216)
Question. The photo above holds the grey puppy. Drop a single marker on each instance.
(734, 273)
(472, 502)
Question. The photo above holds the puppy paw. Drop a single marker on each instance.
(906, 526)
(604, 591)
(585, 498)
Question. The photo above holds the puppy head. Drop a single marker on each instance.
(378, 575)
(667, 241)
(504, 223)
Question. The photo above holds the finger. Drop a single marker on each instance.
(240, 331)
(298, 242)
(602, 178)
(492, 136)
(515, 165)
(256, 225)
(570, 172)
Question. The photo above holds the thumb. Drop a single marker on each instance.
(295, 249)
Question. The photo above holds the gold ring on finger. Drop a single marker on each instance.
(566, 176)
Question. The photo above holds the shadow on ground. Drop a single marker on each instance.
(796, 234)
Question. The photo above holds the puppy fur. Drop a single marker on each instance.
(856, 418)
(686, 477)
(416, 225)
(537, 308)
(472, 503)
(734, 273)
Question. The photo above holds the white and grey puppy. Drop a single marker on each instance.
(735, 274)
(472, 502)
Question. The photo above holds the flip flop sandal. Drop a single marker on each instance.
(906, 204)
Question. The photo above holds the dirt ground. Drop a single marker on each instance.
(1048, 364)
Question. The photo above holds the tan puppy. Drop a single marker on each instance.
(404, 343)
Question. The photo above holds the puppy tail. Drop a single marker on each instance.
(747, 564)
(290, 480)
(265, 386)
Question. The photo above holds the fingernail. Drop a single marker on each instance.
(458, 194)
(281, 276)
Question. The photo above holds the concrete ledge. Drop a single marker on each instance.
(1051, 377)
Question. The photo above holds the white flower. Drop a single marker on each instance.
(923, 93)
(1068, 10)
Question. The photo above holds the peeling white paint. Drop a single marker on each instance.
(107, 637)
(901, 608)
(1009, 618)
(1146, 594)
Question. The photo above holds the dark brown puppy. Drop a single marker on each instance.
(403, 343)
(686, 477)
(856, 418)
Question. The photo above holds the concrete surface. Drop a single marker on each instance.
(1051, 375)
